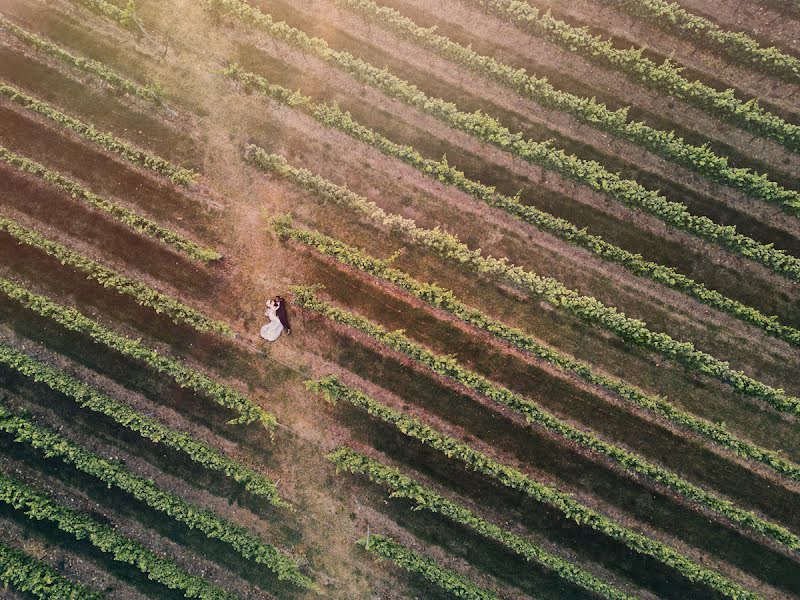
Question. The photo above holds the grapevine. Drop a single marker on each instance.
(114, 474)
(333, 390)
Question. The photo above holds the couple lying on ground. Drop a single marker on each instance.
(278, 319)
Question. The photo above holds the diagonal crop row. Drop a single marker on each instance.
(442, 299)
(402, 486)
(152, 93)
(109, 142)
(667, 144)
(28, 575)
(38, 506)
(534, 413)
(586, 308)
(183, 375)
(489, 130)
(123, 16)
(114, 474)
(144, 295)
(450, 581)
(333, 390)
(664, 77)
(441, 171)
(90, 398)
(132, 219)
(737, 46)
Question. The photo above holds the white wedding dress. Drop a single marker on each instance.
(272, 330)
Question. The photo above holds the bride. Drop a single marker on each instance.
(272, 330)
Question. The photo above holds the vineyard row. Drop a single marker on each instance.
(444, 173)
(455, 584)
(132, 219)
(180, 373)
(491, 131)
(401, 486)
(152, 93)
(586, 308)
(737, 46)
(39, 506)
(124, 16)
(534, 413)
(28, 575)
(665, 77)
(114, 474)
(442, 299)
(144, 295)
(148, 428)
(113, 144)
(333, 390)
(667, 144)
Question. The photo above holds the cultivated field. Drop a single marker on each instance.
(542, 264)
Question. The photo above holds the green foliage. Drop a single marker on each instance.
(665, 77)
(636, 465)
(40, 507)
(491, 131)
(135, 221)
(183, 375)
(28, 575)
(332, 390)
(458, 586)
(442, 172)
(114, 474)
(737, 46)
(90, 398)
(146, 296)
(586, 308)
(123, 16)
(401, 486)
(445, 300)
(151, 93)
(664, 143)
(127, 151)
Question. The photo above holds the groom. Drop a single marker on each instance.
(283, 315)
